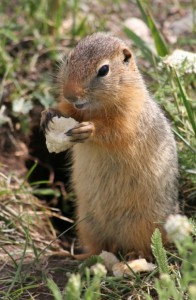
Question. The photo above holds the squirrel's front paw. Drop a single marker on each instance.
(81, 132)
(46, 117)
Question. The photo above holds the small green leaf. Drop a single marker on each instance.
(9, 34)
(54, 289)
(45, 98)
(159, 252)
(74, 287)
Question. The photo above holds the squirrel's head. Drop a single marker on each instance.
(98, 73)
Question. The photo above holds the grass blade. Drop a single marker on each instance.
(184, 141)
(12, 258)
(148, 54)
(29, 173)
(159, 41)
(186, 102)
(18, 271)
(144, 15)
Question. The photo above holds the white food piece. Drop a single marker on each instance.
(56, 139)
(138, 265)
(109, 259)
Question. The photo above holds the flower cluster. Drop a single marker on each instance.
(178, 227)
(183, 61)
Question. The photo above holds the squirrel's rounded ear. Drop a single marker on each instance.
(127, 55)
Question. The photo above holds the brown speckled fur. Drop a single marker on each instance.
(125, 173)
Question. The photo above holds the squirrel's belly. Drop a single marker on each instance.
(106, 188)
(111, 208)
(115, 204)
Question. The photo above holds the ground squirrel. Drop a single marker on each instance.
(124, 156)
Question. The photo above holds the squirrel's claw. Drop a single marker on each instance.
(81, 132)
(46, 117)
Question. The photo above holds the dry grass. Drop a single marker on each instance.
(27, 243)
(23, 217)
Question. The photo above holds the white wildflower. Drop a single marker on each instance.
(99, 270)
(183, 61)
(178, 227)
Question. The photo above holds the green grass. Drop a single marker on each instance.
(33, 36)
(172, 282)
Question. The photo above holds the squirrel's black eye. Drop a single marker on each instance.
(103, 71)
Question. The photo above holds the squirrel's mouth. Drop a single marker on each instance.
(81, 106)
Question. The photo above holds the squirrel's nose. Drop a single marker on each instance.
(73, 92)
